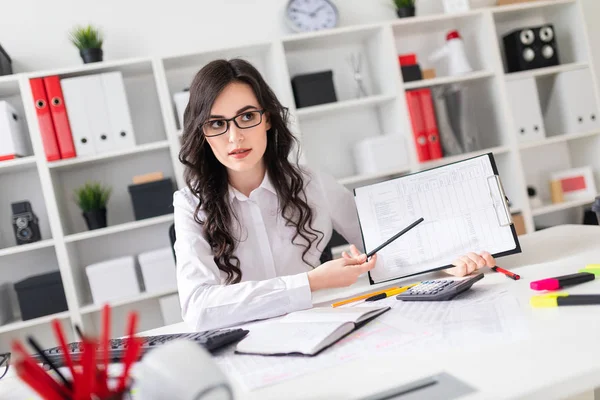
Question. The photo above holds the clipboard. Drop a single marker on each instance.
(464, 206)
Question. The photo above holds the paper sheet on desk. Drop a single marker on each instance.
(477, 318)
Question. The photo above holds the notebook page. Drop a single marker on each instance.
(278, 338)
(328, 314)
(462, 208)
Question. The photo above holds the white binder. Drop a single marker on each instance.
(464, 208)
(181, 100)
(115, 96)
(572, 106)
(12, 135)
(526, 111)
(75, 96)
(97, 112)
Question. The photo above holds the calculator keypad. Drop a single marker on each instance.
(430, 287)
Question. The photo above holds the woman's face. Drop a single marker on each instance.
(238, 149)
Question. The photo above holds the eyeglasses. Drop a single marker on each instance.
(245, 120)
(4, 363)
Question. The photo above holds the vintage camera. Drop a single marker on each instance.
(25, 223)
(530, 48)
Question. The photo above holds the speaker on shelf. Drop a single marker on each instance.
(25, 223)
(531, 48)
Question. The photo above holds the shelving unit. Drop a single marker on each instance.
(327, 134)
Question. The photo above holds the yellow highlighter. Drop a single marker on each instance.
(390, 293)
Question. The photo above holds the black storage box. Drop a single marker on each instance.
(5, 63)
(313, 89)
(41, 295)
(152, 199)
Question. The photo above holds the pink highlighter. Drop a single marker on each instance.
(560, 282)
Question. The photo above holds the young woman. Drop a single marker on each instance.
(251, 224)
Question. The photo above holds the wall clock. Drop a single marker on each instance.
(311, 15)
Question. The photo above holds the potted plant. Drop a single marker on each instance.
(92, 198)
(405, 8)
(88, 40)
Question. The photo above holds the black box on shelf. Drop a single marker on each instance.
(530, 48)
(152, 199)
(5, 63)
(313, 89)
(41, 295)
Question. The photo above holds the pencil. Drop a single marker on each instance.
(133, 346)
(43, 355)
(396, 236)
(65, 350)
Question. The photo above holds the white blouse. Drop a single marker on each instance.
(274, 275)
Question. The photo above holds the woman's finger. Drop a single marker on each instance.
(489, 259)
(460, 268)
(471, 265)
(477, 259)
(354, 251)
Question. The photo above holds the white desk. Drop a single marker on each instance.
(560, 358)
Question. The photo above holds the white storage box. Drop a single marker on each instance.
(12, 134)
(158, 270)
(170, 309)
(113, 279)
(380, 154)
(6, 309)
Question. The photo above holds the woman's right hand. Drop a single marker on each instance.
(341, 272)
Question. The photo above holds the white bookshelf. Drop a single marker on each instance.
(326, 132)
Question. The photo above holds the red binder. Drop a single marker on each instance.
(416, 118)
(430, 124)
(40, 101)
(59, 117)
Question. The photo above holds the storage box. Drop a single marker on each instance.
(380, 154)
(113, 279)
(152, 199)
(5, 63)
(170, 309)
(12, 135)
(6, 309)
(41, 295)
(313, 89)
(158, 270)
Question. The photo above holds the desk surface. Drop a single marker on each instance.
(559, 358)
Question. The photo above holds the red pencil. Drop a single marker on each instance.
(65, 350)
(102, 384)
(511, 275)
(131, 354)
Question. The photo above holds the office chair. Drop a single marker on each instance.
(172, 238)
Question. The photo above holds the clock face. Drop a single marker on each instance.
(311, 15)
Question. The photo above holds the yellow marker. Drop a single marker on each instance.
(546, 300)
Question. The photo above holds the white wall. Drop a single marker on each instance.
(34, 32)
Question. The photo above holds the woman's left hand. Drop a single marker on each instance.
(470, 262)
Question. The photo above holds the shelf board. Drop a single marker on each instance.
(128, 226)
(532, 73)
(293, 41)
(557, 139)
(130, 66)
(17, 165)
(527, 5)
(16, 325)
(366, 177)
(451, 159)
(561, 206)
(321, 109)
(24, 248)
(87, 160)
(91, 308)
(446, 80)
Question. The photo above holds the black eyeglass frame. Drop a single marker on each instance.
(4, 363)
(228, 121)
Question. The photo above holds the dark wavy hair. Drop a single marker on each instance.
(207, 178)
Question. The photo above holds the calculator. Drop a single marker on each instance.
(439, 289)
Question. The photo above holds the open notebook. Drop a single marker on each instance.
(464, 209)
(306, 332)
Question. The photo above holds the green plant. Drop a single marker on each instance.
(86, 37)
(404, 3)
(92, 196)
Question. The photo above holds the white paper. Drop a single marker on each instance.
(478, 318)
(462, 207)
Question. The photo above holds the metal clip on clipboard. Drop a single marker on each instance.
(500, 201)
